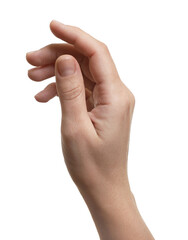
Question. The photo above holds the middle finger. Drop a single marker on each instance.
(48, 54)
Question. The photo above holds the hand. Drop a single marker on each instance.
(94, 139)
(97, 110)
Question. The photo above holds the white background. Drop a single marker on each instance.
(149, 43)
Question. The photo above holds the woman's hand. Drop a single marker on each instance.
(97, 111)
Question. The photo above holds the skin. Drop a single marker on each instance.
(97, 110)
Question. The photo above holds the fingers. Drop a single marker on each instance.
(82, 41)
(48, 54)
(46, 57)
(48, 93)
(45, 72)
(102, 66)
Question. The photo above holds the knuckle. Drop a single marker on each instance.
(73, 134)
(71, 94)
(132, 99)
(128, 101)
(51, 45)
(75, 28)
(52, 85)
(103, 46)
(69, 133)
(124, 98)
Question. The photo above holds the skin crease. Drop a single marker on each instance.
(97, 110)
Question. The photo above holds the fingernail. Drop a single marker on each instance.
(66, 67)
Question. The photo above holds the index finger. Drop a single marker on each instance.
(101, 64)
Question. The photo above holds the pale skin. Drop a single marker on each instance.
(97, 110)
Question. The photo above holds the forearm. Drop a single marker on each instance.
(115, 214)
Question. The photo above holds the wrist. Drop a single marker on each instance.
(103, 198)
(114, 211)
(105, 190)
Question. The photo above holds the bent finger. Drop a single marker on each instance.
(48, 93)
(48, 54)
(101, 64)
(41, 73)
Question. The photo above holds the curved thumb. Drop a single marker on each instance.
(70, 88)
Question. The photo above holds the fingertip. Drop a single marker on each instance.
(28, 53)
(51, 23)
(36, 98)
(48, 93)
(35, 74)
(30, 57)
(39, 98)
(65, 65)
(54, 23)
(64, 57)
(29, 73)
(27, 56)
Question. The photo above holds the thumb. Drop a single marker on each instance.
(70, 88)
